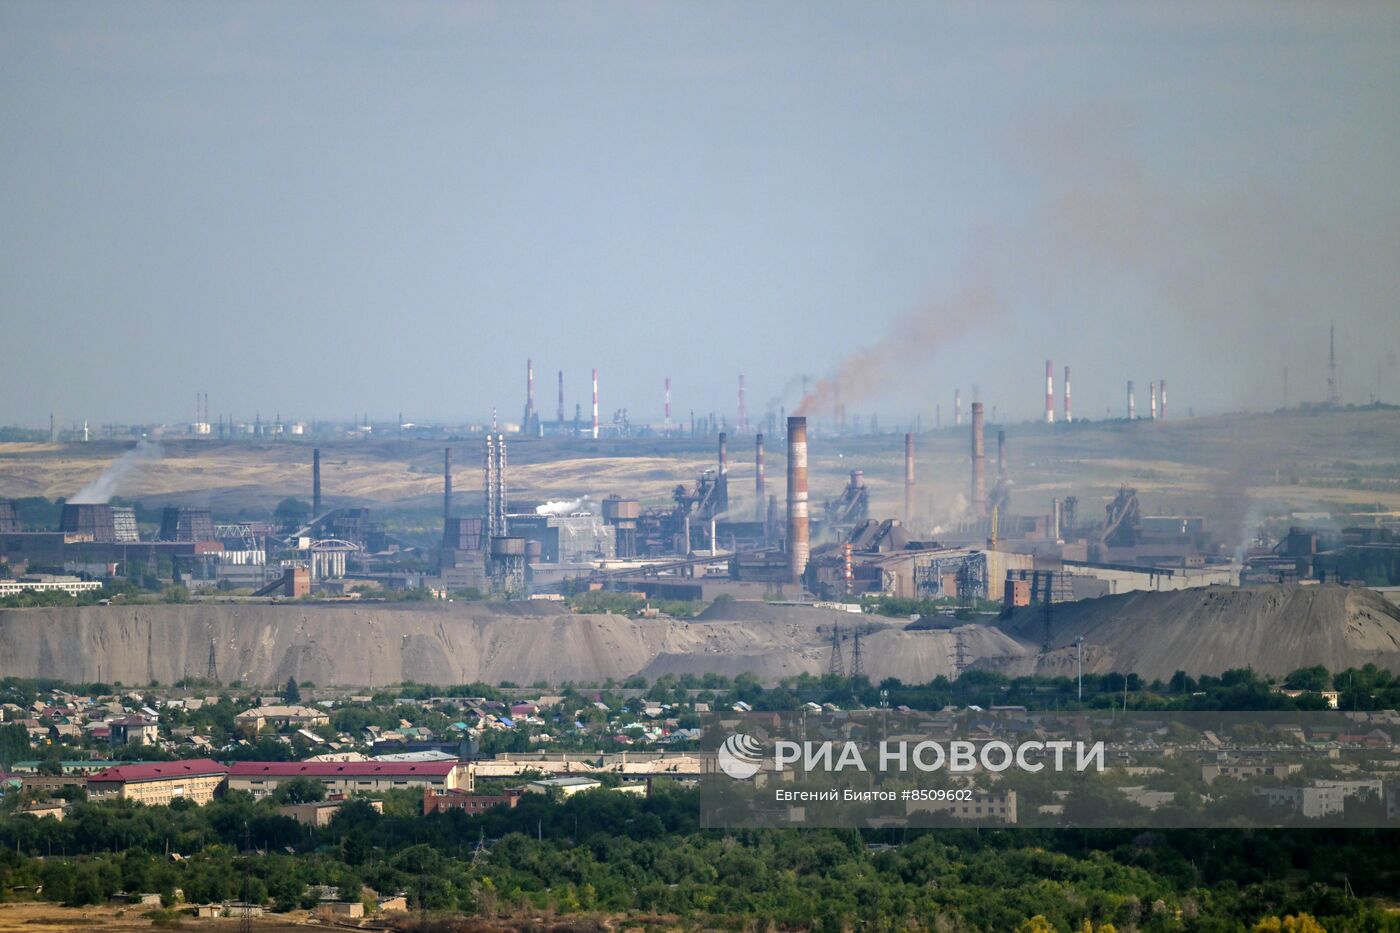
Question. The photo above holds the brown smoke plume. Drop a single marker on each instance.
(912, 339)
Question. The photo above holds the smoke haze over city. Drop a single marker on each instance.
(388, 208)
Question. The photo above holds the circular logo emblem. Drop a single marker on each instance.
(740, 756)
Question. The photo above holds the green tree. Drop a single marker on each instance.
(1309, 678)
(300, 790)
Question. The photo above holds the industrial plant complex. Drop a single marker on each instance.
(706, 540)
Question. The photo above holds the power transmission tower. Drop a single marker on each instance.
(857, 665)
(962, 658)
(213, 673)
(836, 667)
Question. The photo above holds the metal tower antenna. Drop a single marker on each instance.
(836, 666)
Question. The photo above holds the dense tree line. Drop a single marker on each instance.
(613, 853)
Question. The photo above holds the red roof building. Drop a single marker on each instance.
(348, 777)
(157, 783)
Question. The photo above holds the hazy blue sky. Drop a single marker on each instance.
(327, 208)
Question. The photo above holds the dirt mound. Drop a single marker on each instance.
(369, 644)
(747, 610)
(1274, 629)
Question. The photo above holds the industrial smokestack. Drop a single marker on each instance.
(668, 404)
(1152, 399)
(979, 462)
(1049, 392)
(908, 479)
(446, 486)
(560, 414)
(1069, 412)
(529, 422)
(488, 483)
(759, 479)
(595, 404)
(957, 407)
(1001, 453)
(1163, 388)
(316, 482)
(723, 453)
(798, 542)
(1132, 403)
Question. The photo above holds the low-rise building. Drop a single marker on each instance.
(1246, 770)
(45, 808)
(989, 806)
(319, 813)
(282, 718)
(48, 583)
(157, 783)
(566, 786)
(1321, 798)
(261, 778)
(135, 729)
(436, 800)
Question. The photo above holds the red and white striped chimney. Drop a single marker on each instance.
(668, 403)
(1069, 412)
(595, 404)
(1152, 400)
(1049, 392)
(957, 407)
(798, 527)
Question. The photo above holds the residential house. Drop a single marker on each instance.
(136, 729)
(281, 718)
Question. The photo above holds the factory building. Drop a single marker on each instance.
(47, 583)
(913, 571)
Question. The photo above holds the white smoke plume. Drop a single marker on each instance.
(109, 482)
(560, 507)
